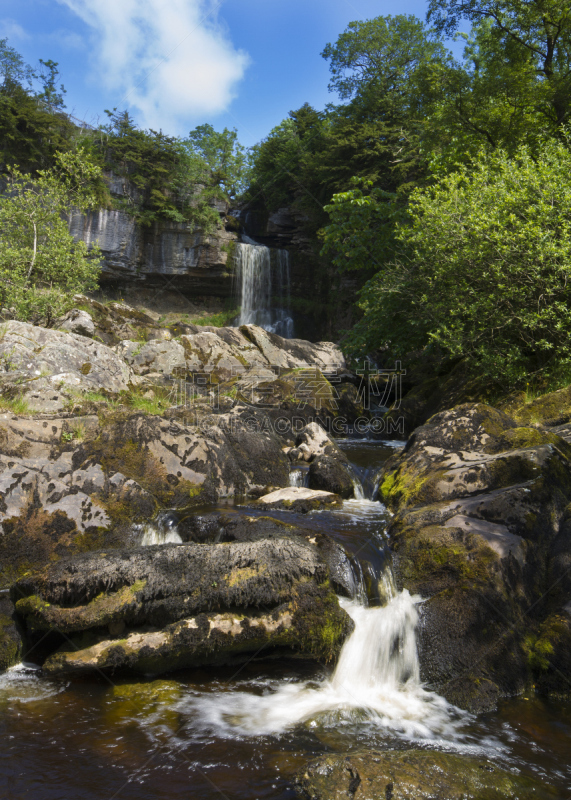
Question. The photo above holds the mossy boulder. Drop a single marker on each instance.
(157, 609)
(414, 775)
(550, 409)
(480, 505)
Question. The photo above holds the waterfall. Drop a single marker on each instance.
(376, 681)
(263, 287)
(299, 477)
(162, 530)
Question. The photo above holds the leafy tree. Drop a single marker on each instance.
(13, 69)
(482, 269)
(30, 133)
(225, 158)
(41, 266)
(532, 32)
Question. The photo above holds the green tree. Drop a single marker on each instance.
(30, 133)
(225, 158)
(534, 33)
(482, 269)
(41, 266)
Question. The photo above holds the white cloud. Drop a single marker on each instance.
(169, 59)
(10, 29)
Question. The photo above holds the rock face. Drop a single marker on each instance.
(175, 606)
(481, 505)
(413, 775)
(11, 645)
(155, 255)
(44, 360)
(70, 484)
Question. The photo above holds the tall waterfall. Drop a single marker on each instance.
(263, 287)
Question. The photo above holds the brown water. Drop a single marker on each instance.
(180, 737)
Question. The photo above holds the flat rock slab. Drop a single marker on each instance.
(300, 499)
(59, 357)
(414, 775)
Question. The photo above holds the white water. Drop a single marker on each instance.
(357, 488)
(299, 477)
(24, 683)
(160, 531)
(376, 682)
(263, 284)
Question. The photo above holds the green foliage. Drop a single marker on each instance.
(41, 266)
(482, 270)
(30, 132)
(219, 320)
(534, 39)
(225, 158)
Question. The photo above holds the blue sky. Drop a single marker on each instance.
(176, 64)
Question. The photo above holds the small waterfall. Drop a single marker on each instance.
(376, 680)
(299, 477)
(162, 530)
(263, 287)
(357, 488)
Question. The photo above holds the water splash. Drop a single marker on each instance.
(299, 477)
(162, 530)
(376, 681)
(263, 287)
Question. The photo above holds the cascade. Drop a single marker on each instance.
(377, 679)
(299, 477)
(263, 287)
(162, 530)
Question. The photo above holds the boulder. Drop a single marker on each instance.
(155, 609)
(331, 475)
(314, 441)
(61, 359)
(297, 498)
(155, 356)
(413, 775)
(295, 353)
(80, 322)
(480, 504)
(218, 527)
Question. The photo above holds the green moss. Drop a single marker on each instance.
(10, 643)
(537, 651)
(99, 612)
(424, 558)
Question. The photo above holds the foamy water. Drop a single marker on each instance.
(376, 682)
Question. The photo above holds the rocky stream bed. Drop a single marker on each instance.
(212, 594)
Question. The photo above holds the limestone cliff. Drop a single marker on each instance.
(165, 252)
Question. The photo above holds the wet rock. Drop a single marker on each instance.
(413, 775)
(11, 644)
(185, 605)
(218, 527)
(331, 475)
(481, 505)
(296, 498)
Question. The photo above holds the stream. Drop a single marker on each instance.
(241, 732)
